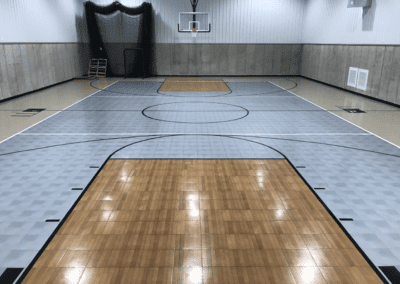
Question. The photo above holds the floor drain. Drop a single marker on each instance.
(353, 110)
(28, 112)
(36, 110)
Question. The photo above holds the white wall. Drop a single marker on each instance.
(232, 21)
(40, 20)
(331, 22)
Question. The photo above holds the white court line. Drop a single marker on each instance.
(54, 114)
(339, 117)
(226, 134)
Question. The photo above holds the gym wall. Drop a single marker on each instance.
(336, 38)
(41, 44)
(252, 37)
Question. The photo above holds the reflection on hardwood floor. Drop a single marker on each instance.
(200, 221)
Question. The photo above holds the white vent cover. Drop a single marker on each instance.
(353, 74)
(362, 80)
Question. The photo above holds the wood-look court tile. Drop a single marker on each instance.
(200, 221)
(66, 275)
(307, 275)
(100, 275)
(40, 275)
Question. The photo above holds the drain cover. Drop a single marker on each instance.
(34, 110)
(353, 110)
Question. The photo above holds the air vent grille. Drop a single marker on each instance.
(352, 80)
(362, 79)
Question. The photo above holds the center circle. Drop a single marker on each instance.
(195, 112)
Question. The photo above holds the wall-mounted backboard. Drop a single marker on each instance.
(194, 22)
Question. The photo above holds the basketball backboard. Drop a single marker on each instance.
(194, 22)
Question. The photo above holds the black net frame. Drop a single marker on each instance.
(96, 43)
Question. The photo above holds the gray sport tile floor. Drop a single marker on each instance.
(258, 120)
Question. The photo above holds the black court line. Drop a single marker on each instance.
(172, 121)
(261, 110)
(225, 95)
(10, 275)
(167, 135)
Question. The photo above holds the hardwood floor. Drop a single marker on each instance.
(200, 221)
(194, 85)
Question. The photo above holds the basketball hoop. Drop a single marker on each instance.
(194, 31)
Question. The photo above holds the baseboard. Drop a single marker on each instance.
(235, 76)
(355, 93)
(30, 92)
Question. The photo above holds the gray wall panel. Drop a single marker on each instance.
(321, 61)
(58, 63)
(232, 56)
(268, 59)
(394, 76)
(311, 60)
(214, 60)
(199, 66)
(295, 63)
(47, 59)
(241, 59)
(339, 66)
(158, 65)
(250, 59)
(32, 66)
(44, 66)
(223, 55)
(370, 66)
(285, 60)
(192, 60)
(386, 72)
(329, 64)
(305, 57)
(184, 62)
(350, 63)
(323, 66)
(259, 59)
(363, 64)
(336, 64)
(344, 70)
(25, 67)
(5, 87)
(318, 59)
(205, 58)
(68, 66)
(333, 65)
(166, 58)
(65, 61)
(19, 71)
(12, 80)
(276, 59)
(176, 59)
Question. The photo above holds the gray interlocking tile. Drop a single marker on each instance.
(382, 256)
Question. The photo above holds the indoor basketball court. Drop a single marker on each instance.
(189, 156)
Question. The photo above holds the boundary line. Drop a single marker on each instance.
(233, 134)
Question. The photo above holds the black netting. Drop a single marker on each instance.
(122, 35)
(118, 32)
